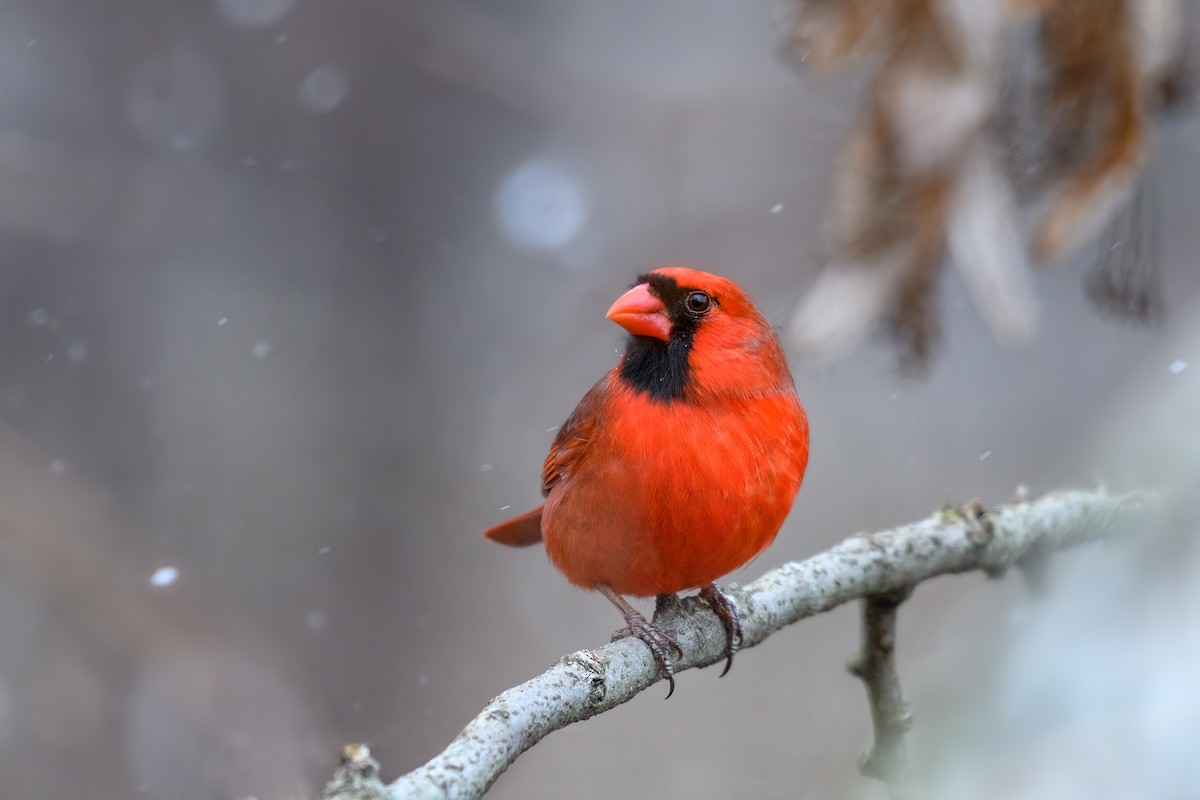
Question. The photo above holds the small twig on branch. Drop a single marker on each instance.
(591, 682)
(875, 664)
(358, 777)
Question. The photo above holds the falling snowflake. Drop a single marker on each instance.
(164, 576)
(77, 351)
(254, 13)
(541, 206)
(323, 89)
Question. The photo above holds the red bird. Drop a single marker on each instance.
(681, 464)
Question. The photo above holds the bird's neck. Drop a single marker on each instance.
(675, 370)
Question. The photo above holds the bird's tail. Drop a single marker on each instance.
(521, 531)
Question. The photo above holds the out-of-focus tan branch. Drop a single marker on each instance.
(591, 682)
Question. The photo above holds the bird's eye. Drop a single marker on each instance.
(698, 302)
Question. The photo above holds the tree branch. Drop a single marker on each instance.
(875, 664)
(590, 682)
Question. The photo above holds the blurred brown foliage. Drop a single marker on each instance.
(959, 91)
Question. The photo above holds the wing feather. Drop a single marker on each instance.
(573, 437)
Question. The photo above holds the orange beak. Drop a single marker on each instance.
(641, 313)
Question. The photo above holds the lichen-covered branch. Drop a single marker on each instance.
(591, 682)
(875, 664)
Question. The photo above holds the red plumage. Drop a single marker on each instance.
(681, 464)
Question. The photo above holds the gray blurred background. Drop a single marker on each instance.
(293, 294)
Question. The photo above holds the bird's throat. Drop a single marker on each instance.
(657, 368)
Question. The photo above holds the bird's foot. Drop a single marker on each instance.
(663, 604)
(723, 607)
(660, 643)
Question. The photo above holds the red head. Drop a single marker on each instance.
(695, 334)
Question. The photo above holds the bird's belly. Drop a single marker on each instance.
(674, 506)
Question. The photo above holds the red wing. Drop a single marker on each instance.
(568, 445)
(573, 437)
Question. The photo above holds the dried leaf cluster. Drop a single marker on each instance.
(973, 107)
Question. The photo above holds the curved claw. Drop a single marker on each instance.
(724, 608)
(660, 644)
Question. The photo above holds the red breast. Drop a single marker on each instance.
(681, 464)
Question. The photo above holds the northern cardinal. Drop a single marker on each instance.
(681, 464)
